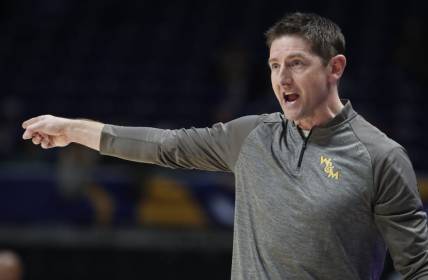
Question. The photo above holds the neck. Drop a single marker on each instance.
(319, 117)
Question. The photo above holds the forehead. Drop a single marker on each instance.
(287, 46)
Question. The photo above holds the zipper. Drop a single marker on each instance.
(302, 151)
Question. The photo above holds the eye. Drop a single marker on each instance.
(296, 63)
(274, 66)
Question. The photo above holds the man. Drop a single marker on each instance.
(10, 266)
(320, 193)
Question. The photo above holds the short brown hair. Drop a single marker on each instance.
(325, 37)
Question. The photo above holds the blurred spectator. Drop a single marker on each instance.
(168, 202)
(234, 74)
(75, 181)
(10, 266)
(243, 95)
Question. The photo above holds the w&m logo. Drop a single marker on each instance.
(329, 168)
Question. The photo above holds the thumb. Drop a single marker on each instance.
(32, 129)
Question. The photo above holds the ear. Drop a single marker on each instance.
(337, 66)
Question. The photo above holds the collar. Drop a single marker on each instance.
(345, 115)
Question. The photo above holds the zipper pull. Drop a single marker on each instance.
(301, 154)
(303, 149)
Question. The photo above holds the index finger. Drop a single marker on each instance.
(30, 121)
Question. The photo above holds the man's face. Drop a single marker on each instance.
(299, 78)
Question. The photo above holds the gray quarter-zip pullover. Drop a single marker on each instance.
(322, 207)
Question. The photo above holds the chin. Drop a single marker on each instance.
(291, 116)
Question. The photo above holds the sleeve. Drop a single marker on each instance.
(399, 214)
(215, 148)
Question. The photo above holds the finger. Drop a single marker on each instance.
(36, 139)
(36, 127)
(28, 134)
(31, 121)
(43, 135)
(45, 143)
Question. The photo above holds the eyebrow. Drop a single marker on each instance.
(291, 56)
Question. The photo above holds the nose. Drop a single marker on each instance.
(285, 77)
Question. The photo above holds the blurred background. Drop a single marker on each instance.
(72, 214)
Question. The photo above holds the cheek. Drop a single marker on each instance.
(316, 84)
(273, 81)
(275, 84)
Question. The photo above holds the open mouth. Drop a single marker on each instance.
(291, 97)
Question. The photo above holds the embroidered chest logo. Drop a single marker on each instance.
(329, 168)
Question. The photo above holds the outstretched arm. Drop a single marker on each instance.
(50, 131)
(213, 148)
